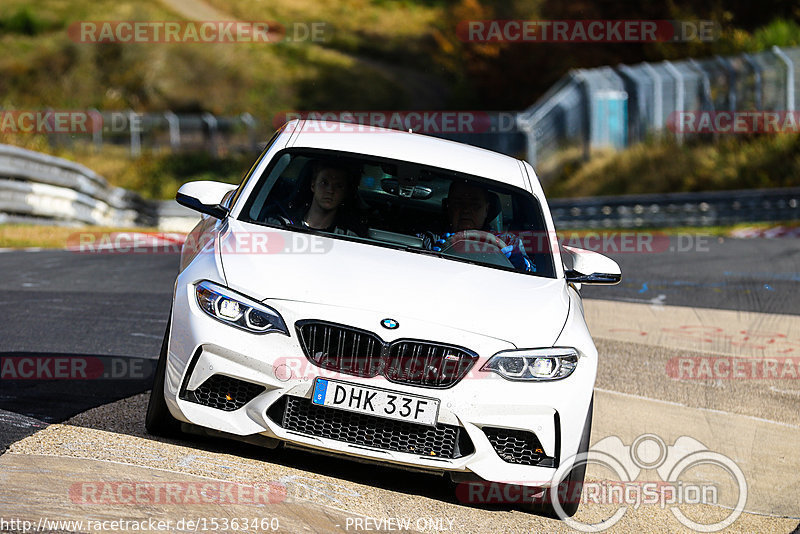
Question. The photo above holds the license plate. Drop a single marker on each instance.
(375, 401)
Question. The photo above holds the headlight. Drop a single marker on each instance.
(238, 310)
(534, 364)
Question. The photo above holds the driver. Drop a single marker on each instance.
(468, 209)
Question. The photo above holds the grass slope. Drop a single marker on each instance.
(668, 167)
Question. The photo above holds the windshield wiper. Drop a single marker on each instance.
(418, 250)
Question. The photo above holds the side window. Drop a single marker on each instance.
(256, 211)
(238, 191)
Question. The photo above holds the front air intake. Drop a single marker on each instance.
(518, 447)
(302, 416)
(223, 393)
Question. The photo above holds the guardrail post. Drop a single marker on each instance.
(586, 116)
(533, 144)
(658, 97)
(757, 79)
(679, 94)
(789, 77)
(135, 129)
(635, 104)
(174, 130)
(708, 103)
(52, 139)
(732, 76)
(526, 127)
(250, 122)
(211, 121)
(97, 128)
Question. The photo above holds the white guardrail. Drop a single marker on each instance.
(172, 217)
(39, 188)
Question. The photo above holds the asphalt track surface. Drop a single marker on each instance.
(732, 274)
(113, 308)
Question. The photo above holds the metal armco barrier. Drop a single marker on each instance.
(611, 108)
(677, 209)
(172, 217)
(37, 187)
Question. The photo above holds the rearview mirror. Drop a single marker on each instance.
(394, 187)
(205, 197)
(589, 267)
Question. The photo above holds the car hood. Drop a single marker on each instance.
(521, 309)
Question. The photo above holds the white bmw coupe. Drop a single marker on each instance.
(390, 297)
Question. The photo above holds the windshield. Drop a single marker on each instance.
(403, 205)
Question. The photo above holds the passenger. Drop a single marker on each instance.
(332, 205)
(330, 186)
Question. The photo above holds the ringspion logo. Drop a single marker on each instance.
(648, 472)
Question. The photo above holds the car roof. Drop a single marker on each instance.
(406, 146)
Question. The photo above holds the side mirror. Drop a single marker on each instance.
(205, 197)
(589, 267)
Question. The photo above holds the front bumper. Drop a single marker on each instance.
(201, 348)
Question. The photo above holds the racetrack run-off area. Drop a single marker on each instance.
(683, 344)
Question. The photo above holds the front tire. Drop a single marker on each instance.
(572, 485)
(159, 421)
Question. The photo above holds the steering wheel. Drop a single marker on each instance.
(481, 240)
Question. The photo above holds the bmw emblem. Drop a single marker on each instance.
(391, 324)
